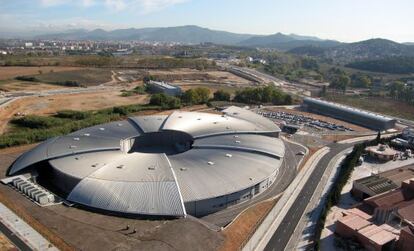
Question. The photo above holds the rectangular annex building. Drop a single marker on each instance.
(356, 116)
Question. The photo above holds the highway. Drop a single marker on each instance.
(21, 245)
(288, 225)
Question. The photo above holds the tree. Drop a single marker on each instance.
(340, 82)
(221, 95)
(195, 96)
(165, 101)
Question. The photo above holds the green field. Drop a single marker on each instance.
(377, 104)
(85, 77)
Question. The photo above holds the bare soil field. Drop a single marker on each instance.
(51, 104)
(14, 71)
(240, 230)
(356, 128)
(71, 228)
(176, 75)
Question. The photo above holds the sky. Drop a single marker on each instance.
(343, 20)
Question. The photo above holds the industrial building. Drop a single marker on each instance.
(381, 182)
(363, 118)
(382, 152)
(163, 87)
(382, 222)
(162, 165)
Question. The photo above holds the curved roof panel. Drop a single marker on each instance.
(209, 155)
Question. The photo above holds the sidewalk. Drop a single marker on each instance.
(305, 228)
(22, 230)
(265, 232)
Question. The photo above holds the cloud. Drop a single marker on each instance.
(140, 6)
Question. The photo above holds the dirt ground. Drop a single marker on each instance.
(356, 128)
(178, 75)
(51, 104)
(241, 229)
(73, 228)
(5, 244)
(14, 71)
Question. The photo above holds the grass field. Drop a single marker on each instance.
(85, 77)
(13, 71)
(377, 104)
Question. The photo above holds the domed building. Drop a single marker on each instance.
(163, 165)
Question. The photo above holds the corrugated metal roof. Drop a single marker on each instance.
(349, 109)
(199, 179)
(149, 123)
(146, 198)
(228, 155)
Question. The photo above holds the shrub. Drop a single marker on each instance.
(70, 114)
(221, 95)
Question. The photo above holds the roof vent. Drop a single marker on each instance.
(87, 134)
(120, 166)
(236, 136)
(151, 168)
(71, 146)
(102, 129)
(199, 119)
(237, 141)
(210, 163)
(94, 165)
(180, 117)
(76, 139)
(119, 124)
(183, 169)
(228, 155)
(215, 122)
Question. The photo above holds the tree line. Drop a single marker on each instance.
(201, 95)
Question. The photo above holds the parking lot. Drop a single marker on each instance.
(286, 118)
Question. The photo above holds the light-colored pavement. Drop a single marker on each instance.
(23, 231)
(301, 239)
(265, 231)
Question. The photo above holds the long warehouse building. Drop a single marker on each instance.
(356, 116)
(162, 165)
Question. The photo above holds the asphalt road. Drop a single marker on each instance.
(288, 225)
(13, 238)
(287, 173)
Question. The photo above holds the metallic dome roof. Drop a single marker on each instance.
(152, 165)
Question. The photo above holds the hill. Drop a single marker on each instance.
(372, 49)
(394, 65)
(286, 42)
(183, 34)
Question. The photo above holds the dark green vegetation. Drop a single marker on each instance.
(165, 101)
(394, 65)
(32, 129)
(196, 96)
(221, 95)
(345, 170)
(263, 95)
